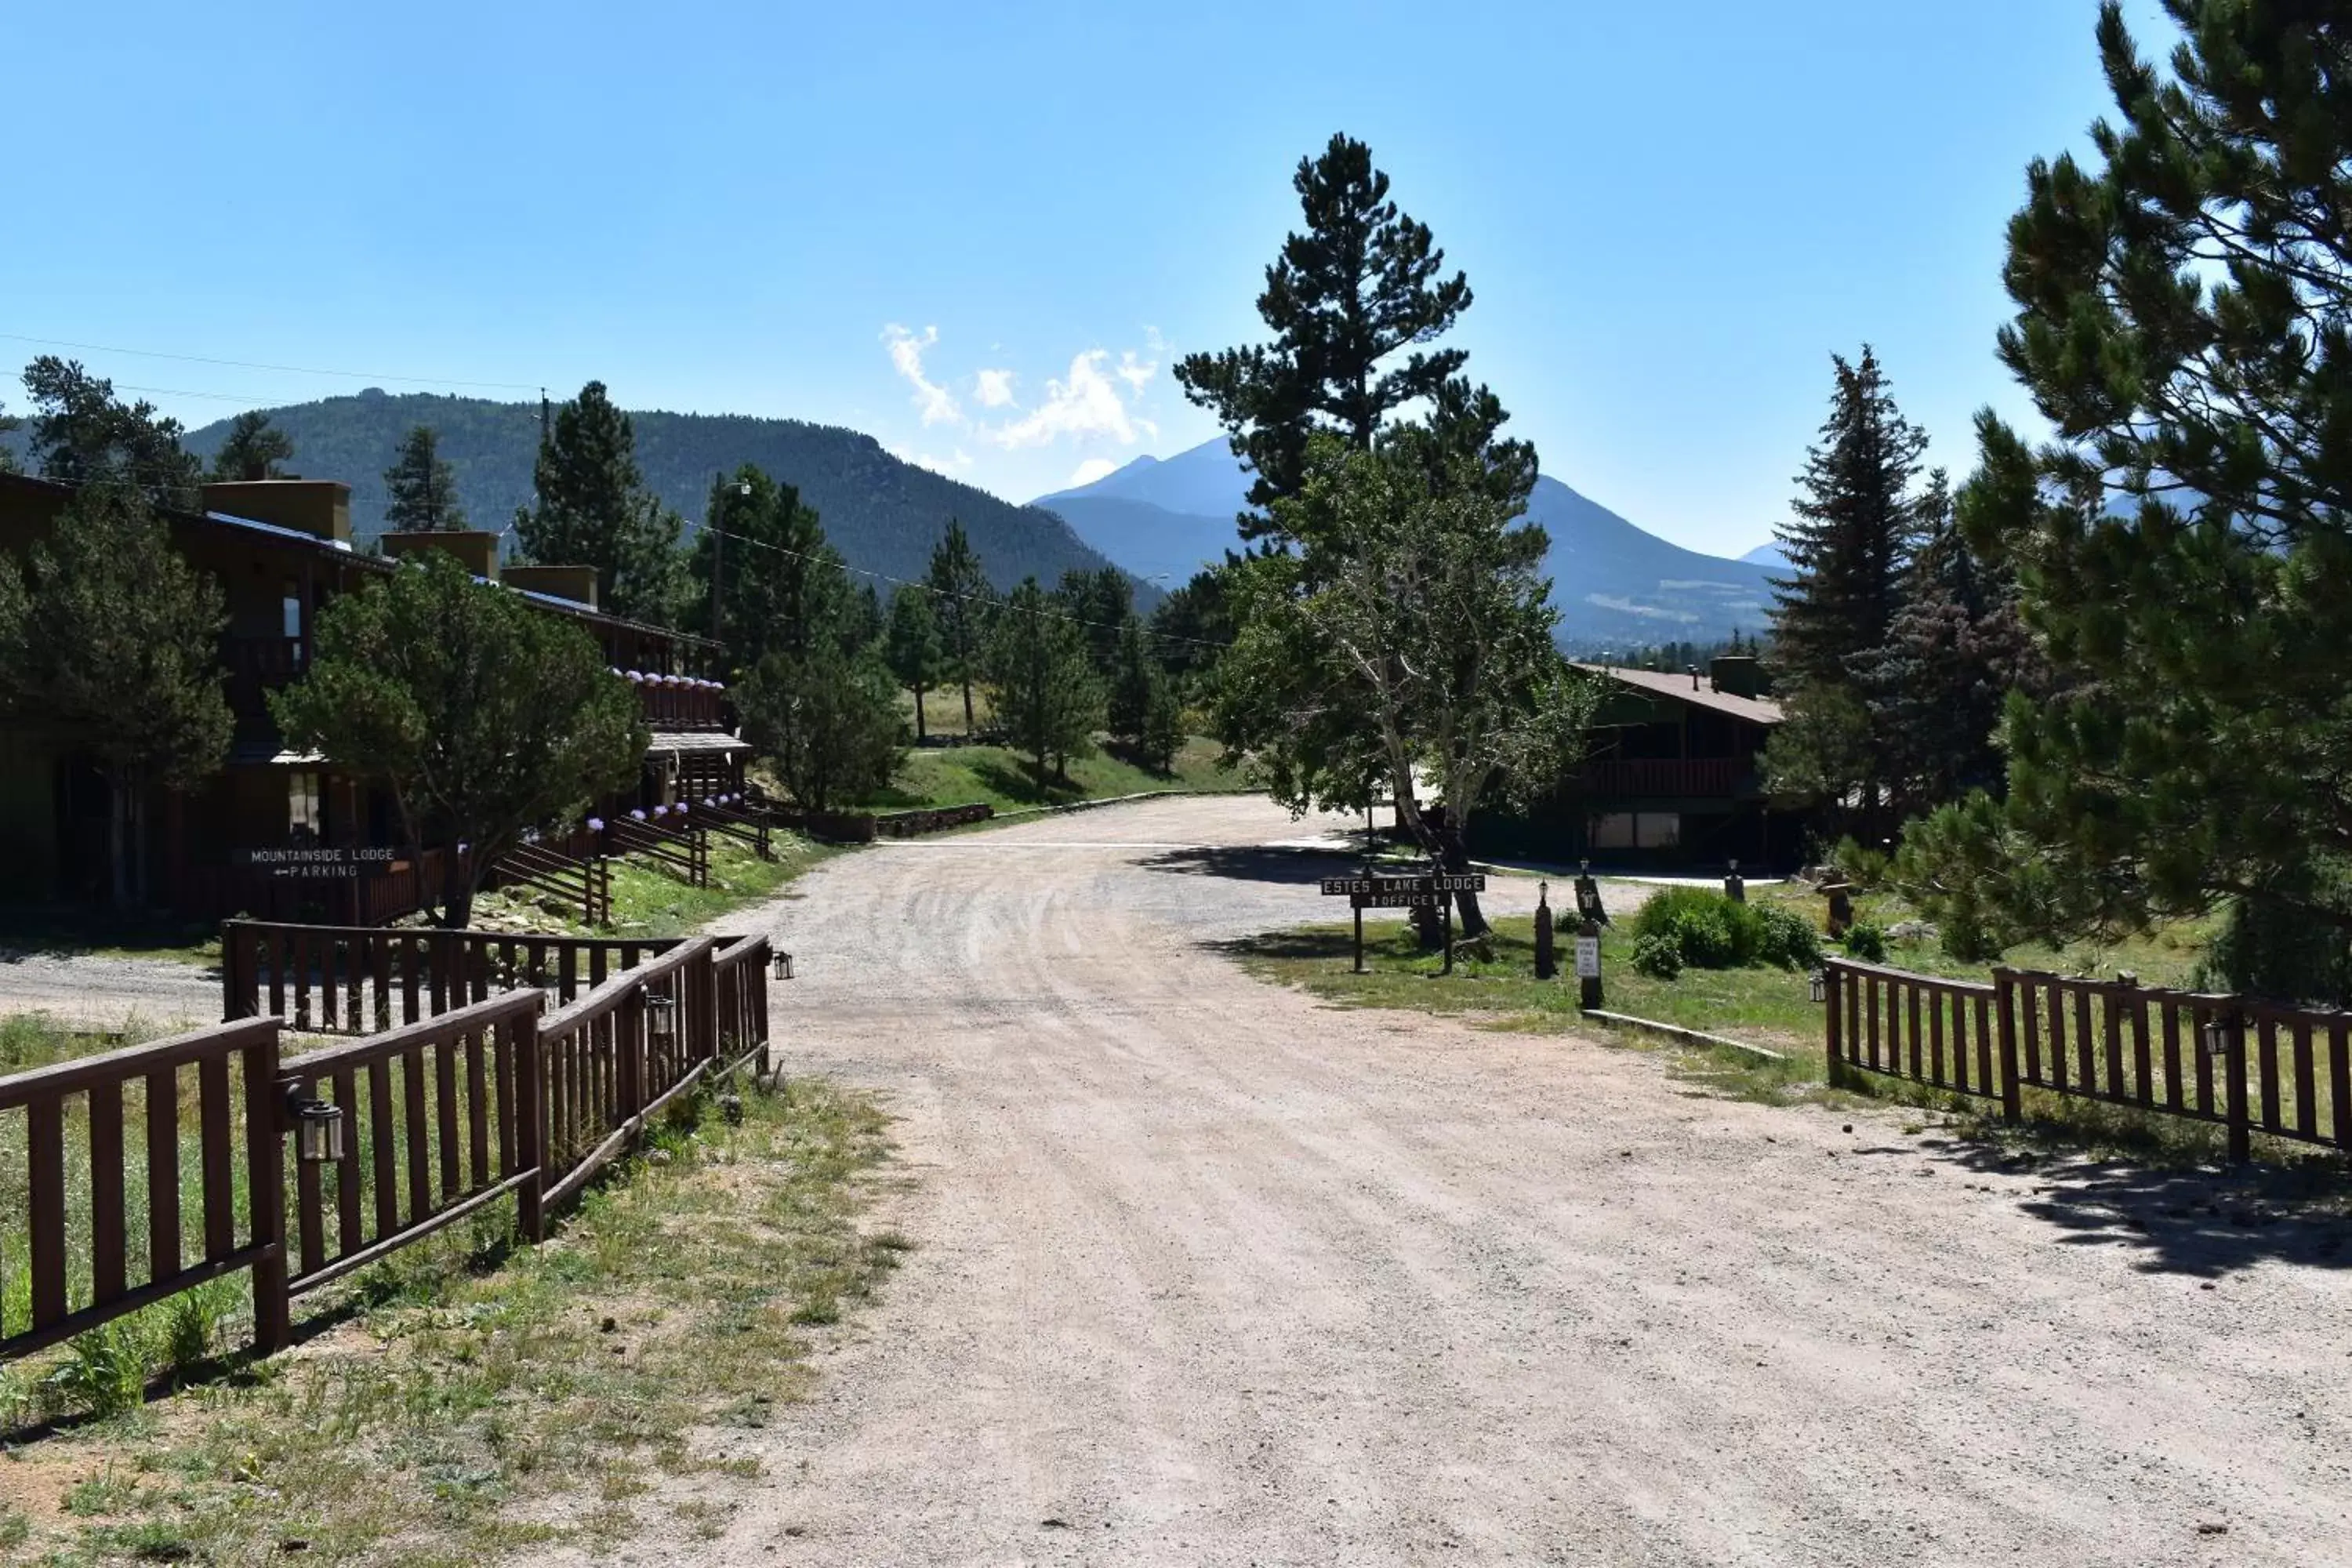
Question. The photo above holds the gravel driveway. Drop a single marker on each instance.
(1207, 1273)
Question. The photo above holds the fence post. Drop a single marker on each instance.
(265, 1143)
(1834, 994)
(2012, 1097)
(236, 966)
(2242, 1147)
(531, 1127)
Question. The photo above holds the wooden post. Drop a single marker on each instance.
(2005, 1004)
(2241, 1120)
(1445, 909)
(265, 1142)
(236, 964)
(530, 1124)
(1589, 993)
(1360, 939)
(1834, 1032)
(1547, 957)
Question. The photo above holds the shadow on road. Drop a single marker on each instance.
(1253, 863)
(2177, 1220)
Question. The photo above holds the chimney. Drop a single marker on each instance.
(576, 583)
(476, 552)
(1694, 675)
(320, 508)
(1739, 674)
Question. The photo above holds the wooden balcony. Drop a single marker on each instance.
(260, 665)
(1669, 778)
(674, 703)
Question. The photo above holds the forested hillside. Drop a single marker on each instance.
(883, 514)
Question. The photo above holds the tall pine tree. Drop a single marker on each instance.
(594, 509)
(912, 647)
(961, 599)
(423, 487)
(83, 434)
(784, 588)
(1041, 681)
(252, 449)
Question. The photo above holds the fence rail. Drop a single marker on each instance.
(499, 1065)
(2249, 1064)
(682, 851)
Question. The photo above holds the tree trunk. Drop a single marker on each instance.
(456, 892)
(967, 707)
(118, 806)
(919, 715)
(1449, 849)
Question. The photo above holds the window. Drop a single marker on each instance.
(291, 608)
(1613, 830)
(1637, 830)
(305, 822)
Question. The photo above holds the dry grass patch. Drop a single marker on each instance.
(469, 1398)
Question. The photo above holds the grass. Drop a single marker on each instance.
(649, 900)
(462, 1400)
(960, 776)
(943, 709)
(1762, 1007)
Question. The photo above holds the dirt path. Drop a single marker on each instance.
(1207, 1273)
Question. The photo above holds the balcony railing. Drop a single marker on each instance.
(681, 702)
(1669, 777)
(258, 665)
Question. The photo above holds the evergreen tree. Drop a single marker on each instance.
(962, 601)
(483, 716)
(916, 654)
(1193, 625)
(111, 639)
(784, 586)
(1101, 600)
(1163, 728)
(423, 487)
(82, 434)
(829, 722)
(8, 458)
(863, 622)
(594, 510)
(1144, 714)
(1345, 300)
(1041, 681)
(2183, 542)
(252, 449)
(1856, 521)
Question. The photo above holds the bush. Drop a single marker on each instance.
(1865, 869)
(1786, 938)
(1867, 942)
(1659, 957)
(1707, 929)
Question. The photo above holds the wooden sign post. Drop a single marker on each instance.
(1407, 892)
(1588, 966)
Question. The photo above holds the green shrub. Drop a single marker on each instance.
(1865, 869)
(1659, 957)
(105, 1371)
(1707, 929)
(1786, 938)
(1867, 942)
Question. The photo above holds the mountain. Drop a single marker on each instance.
(1771, 556)
(1613, 584)
(883, 514)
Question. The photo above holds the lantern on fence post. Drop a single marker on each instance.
(1820, 984)
(661, 1019)
(2213, 1039)
(783, 965)
(318, 1129)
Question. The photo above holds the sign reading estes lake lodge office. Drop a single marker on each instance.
(317, 862)
(1401, 892)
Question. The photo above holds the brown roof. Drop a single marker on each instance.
(1665, 683)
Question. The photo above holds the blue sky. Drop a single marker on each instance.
(981, 233)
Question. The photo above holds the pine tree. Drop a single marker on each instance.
(961, 600)
(913, 648)
(1101, 600)
(113, 639)
(1361, 286)
(594, 511)
(423, 487)
(1133, 681)
(785, 587)
(8, 458)
(829, 722)
(1041, 682)
(83, 435)
(2183, 542)
(252, 449)
(1856, 521)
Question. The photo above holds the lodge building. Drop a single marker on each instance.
(1671, 780)
(281, 549)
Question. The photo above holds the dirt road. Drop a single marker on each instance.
(1207, 1273)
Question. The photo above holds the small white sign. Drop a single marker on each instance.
(1588, 958)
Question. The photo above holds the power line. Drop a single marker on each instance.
(249, 365)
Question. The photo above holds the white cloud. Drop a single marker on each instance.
(993, 388)
(1137, 374)
(935, 402)
(1087, 403)
(1090, 471)
(951, 465)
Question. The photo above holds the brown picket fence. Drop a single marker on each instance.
(524, 1092)
(2247, 1065)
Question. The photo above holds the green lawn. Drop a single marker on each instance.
(961, 775)
(649, 900)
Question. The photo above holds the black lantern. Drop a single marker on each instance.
(661, 1019)
(318, 1130)
(783, 965)
(1819, 985)
(2213, 1039)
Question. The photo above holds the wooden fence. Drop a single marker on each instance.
(2247, 1065)
(466, 1100)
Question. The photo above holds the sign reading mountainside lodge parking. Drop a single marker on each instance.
(316, 862)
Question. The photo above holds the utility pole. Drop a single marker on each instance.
(718, 558)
